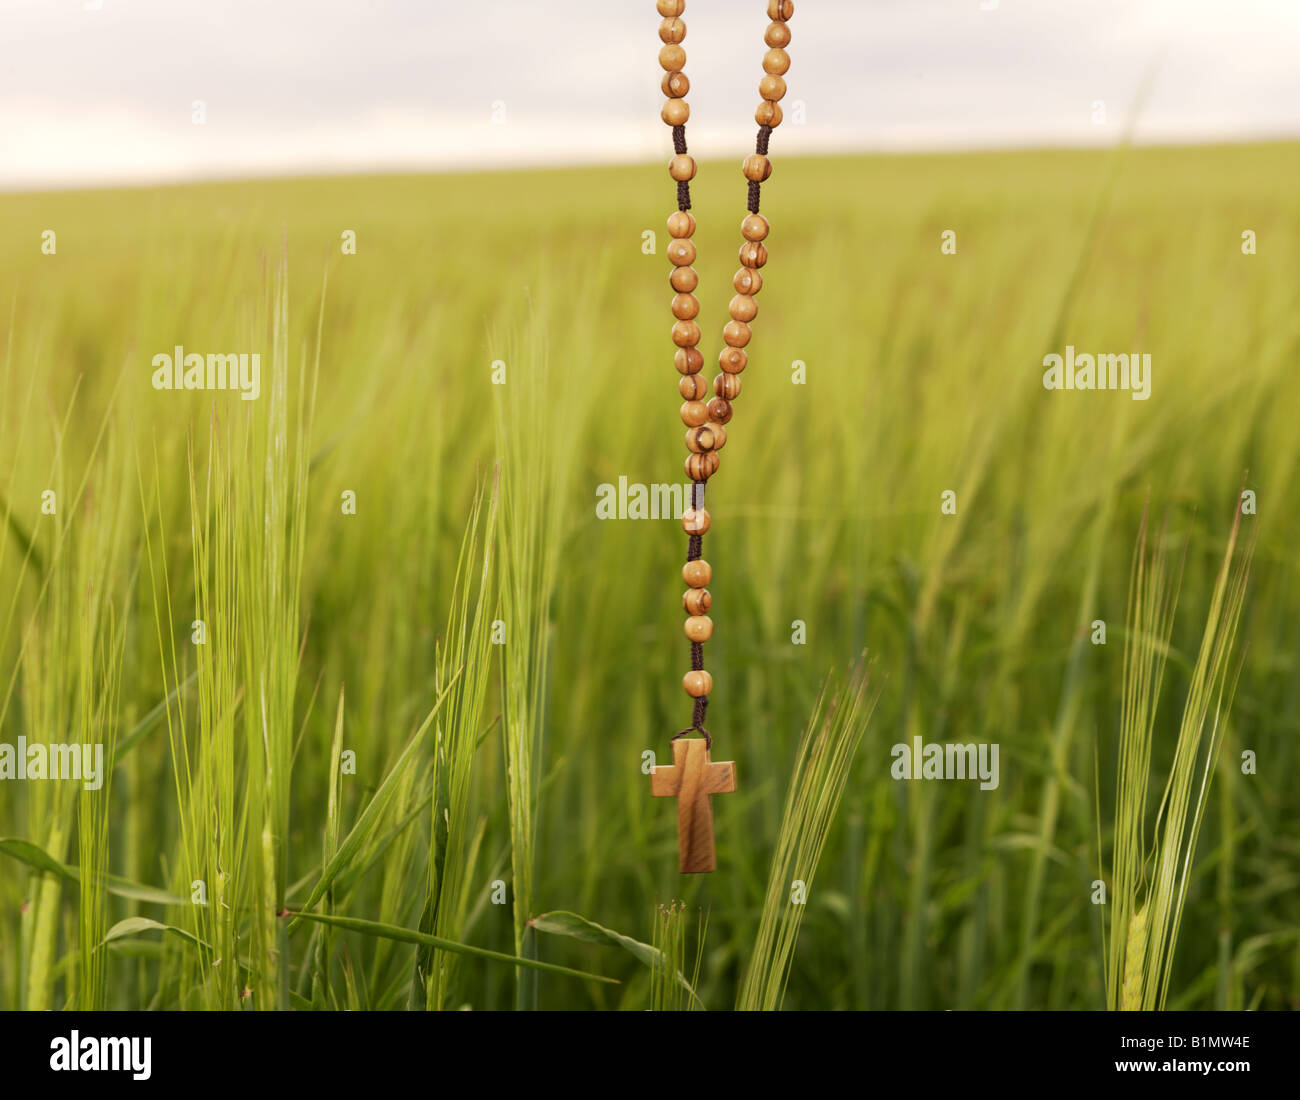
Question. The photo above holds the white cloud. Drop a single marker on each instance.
(304, 85)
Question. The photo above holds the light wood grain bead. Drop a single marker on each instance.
(698, 628)
(702, 439)
(694, 413)
(692, 387)
(780, 9)
(697, 683)
(736, 334)
(686, 307)
(757, 167)
(675, 112)
(695, 521)
(672, 58)
(776, 63)
(771, 87)
(742, 308)
(697, 573)
(719, 434)
(696, 601)
(727, 385)
(701, 467)
(777, 35)
(682, 167)
(681, 223)
(689, 360)
(684, 279)
(672, 30)
(754, 228)
(719, 410)
(732, 360)
(686, 334)
(752, 254)
(768, 114)
(675, 85)
(670, 7)
(681, 252)
(747, 281)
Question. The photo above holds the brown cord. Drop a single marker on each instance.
(683, 187)
(760, 147)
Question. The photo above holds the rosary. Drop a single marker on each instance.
(693, 778)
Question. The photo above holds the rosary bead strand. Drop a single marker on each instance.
(706, 421)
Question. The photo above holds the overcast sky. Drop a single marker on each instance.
(99, 91)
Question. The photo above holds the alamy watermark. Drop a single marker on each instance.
(215, 371)
(84, 763)
(87, 1052)
(637, 501)
(946, 761)
(1103, 371)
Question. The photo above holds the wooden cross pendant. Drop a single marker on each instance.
(694, 779)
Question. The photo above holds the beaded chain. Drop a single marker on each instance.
(706, 433)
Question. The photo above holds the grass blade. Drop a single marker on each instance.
(408, 935)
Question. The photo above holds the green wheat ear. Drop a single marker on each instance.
(826, 751)
(1139, 966)
(1135, 950)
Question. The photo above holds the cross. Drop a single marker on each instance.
(694, 779)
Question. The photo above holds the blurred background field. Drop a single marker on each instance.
(923, 374)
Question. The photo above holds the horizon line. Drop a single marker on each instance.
(499, 166)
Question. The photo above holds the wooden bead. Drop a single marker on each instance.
(670, 7)
(681, 223)
(776, 63)
(727, 385)
(735, 334)
(732, 360)
(694, 413)
(780, 9)
(696, 601)
(777, 35)
(697, 573)
(747, 281)
(752, 254)
(686, 306)
(768, 114)
(697, 683)
(686, 334)
(681, 252)
(756, 167)
(719, 435)
(672, 30)
(771, 88)
(682, 167)
(675, 85)
(672, 58)
(699, 628)
(675, 112)
(689, 360)
(701, 467)
(742, 308)
(692, 387)
(684, 279)
(700, 440)
(754, 227)
(719, 410)
(695, 521)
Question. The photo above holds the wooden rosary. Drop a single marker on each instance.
(693, 778)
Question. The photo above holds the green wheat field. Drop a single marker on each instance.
(403, 766)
